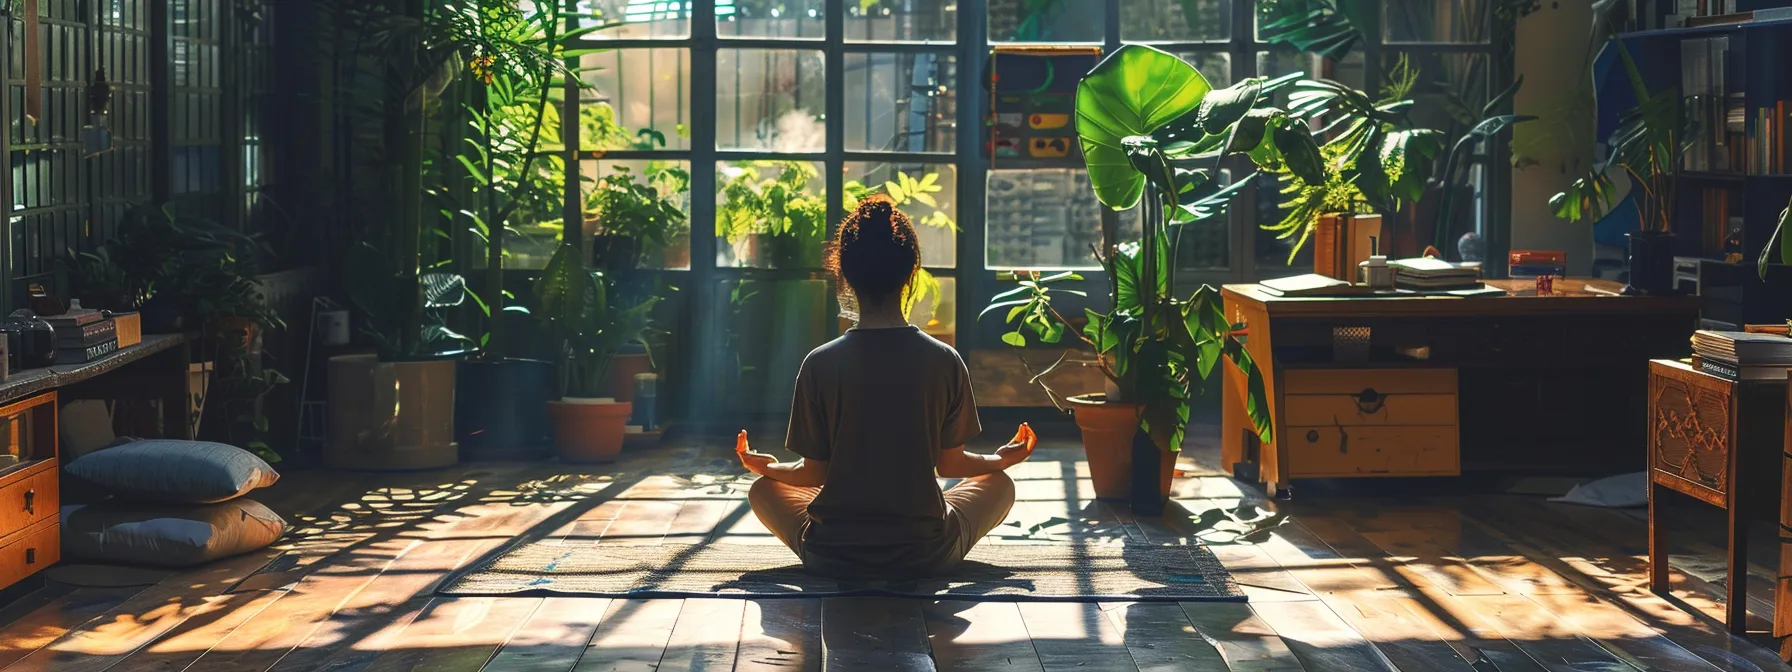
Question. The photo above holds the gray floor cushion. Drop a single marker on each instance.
(165, 470)
(166, 535)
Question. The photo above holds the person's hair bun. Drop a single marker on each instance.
(875, 250)
(878, 205)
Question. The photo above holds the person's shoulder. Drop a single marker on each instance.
(938, 347)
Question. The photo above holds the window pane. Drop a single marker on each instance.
(901, 20)
(1448, 93)
(1047, 218)
(900, 102)
(1434, 21)
(1175, 20)
(630, 198)
(936, 311)
(638, 19)
(770, 214)
(771, 99)
(1216, 66)
(534, 229)
(771, 18)
(927, 193)
(1034, 21)
(632, 91)
(768, 327)
(1278, 63)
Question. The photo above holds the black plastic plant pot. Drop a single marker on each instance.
(1147, 472)
(501, 409)
(163, 316)
(1651, 263)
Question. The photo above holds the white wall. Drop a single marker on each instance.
(1551, 48)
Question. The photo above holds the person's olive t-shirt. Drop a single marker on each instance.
(879, 405)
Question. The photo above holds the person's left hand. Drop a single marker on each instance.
(758, 463)
(1019, 448)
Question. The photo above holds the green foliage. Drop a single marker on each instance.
(643, 210)
(1646, 145)
(773, 199)
(1778, 245)
(1372, 159)
(903, 191)
(587, 327)
(1148, 119)
(1330, 28)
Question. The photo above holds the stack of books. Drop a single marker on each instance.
(1532, 263)
(1434, 274)
(83, 336)
(1737, 355)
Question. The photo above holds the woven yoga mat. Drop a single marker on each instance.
(1080, 570)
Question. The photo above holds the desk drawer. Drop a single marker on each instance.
(1325, 452)
(1379, 409)
(30, 553)
(1382, 381)
(29, 500)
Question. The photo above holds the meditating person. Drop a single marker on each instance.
(877, 414)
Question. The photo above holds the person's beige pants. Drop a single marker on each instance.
(973, 508)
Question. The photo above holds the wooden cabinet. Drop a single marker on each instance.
(1370, 422)
(29, 496)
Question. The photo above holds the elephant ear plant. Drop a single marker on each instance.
(1155, 132)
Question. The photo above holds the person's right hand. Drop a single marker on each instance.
(758, 463)
(1019, 448)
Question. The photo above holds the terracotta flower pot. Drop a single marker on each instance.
(1108, 429)
(589, 430)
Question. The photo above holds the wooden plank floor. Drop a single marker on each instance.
(1482, 583)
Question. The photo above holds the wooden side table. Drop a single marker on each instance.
(1702, 429)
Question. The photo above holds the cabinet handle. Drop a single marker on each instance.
(31, 502)
(30, 556)
(1370, 402)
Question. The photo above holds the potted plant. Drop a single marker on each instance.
(1646, 146)
(1374, 161)
(635, 221)
(394, 409)
(588, 331)
(1161, 145)
(518, 67)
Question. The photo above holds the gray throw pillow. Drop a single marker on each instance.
(166, 470)
(167, 535)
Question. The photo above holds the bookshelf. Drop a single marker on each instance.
(1736, 174)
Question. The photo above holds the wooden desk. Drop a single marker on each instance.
(1434, 385)
(30, 488)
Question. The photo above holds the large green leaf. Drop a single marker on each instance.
(1299, 151)
(1220, 108)
(1133, 92)
(1778, 242)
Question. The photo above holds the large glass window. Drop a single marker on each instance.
(764, 122)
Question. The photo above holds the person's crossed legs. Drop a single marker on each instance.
(973, 507)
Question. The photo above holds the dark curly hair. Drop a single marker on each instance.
(875, 252)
